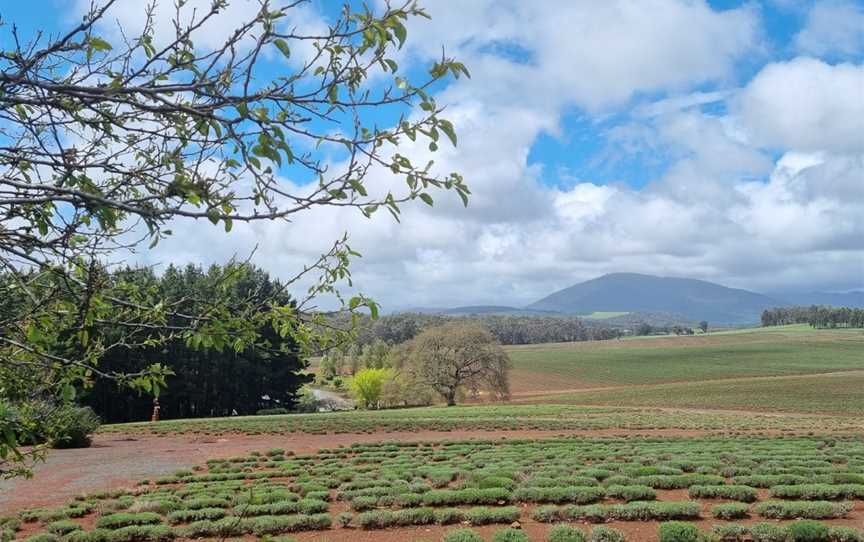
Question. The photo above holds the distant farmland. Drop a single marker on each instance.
(772, 352)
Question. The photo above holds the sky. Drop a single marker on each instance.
(718, 140)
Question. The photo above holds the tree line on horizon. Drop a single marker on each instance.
(398, 328)
(818, 316)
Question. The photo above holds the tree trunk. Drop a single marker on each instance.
(451, 397)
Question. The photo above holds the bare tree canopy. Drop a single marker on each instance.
(106, 138)
(460, 356)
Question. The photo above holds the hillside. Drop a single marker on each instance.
(632, 292)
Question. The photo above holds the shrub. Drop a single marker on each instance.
(122, 519)
(735, 493)
(845, 534)
(677, 531)
(631, 493)
(289, 524)
(71, 427)
(344, 519)
(485, 516)
(140, 533)
(361, 504)
(807, 531)
(565, 533)
(187, 516)
(463, 535)
(492, 495)
(449, 516)
(510, 535)
(606, 534)
(803, 509)
(62, 527)
(730, 511)
(578, 495)
(731, 532)
(48, 537)
(768, 532)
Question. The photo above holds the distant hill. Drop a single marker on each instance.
(632, 292)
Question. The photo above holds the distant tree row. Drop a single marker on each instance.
(402, 327)
(819, 316)
(644, 329)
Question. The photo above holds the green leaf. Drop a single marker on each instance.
(401, 33)
(427, 199)
(447, 127)
(68, 392)
(98, 44)
(282, 45)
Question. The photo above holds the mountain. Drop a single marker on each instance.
(633, 292)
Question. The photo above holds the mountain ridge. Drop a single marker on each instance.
(635, 293)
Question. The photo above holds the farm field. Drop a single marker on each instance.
(839, 393)
(787, 350)
(492, 418)
(745, 441)
(428, 490)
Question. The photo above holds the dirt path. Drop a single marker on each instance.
(117, 460)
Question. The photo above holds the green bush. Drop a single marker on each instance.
(578, 495)
(72, 426)
(122, 519)
(188, 516)
(449, 516)
(730, 511)
(731, 532)
(677, 531)
(463, 535)
(845, 534)
(631, 493)
(449, 497)
(606, 534)
(768, 532)
(48, 537)
(803, 509)
(731, 492)
(565, 533)
(62, 527)
(807, 531)
(140, 533)
(485, 515)
(510, 535)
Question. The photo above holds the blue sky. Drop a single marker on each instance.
(719, 140)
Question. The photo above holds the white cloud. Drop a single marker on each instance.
(833, 26)
(807, 105)
(723, 210)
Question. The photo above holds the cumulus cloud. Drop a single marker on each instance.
(833, 27)
(725, 208)
(805, 104)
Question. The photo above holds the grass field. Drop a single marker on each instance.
(550, 417)
(783, 351)
(839, 394)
